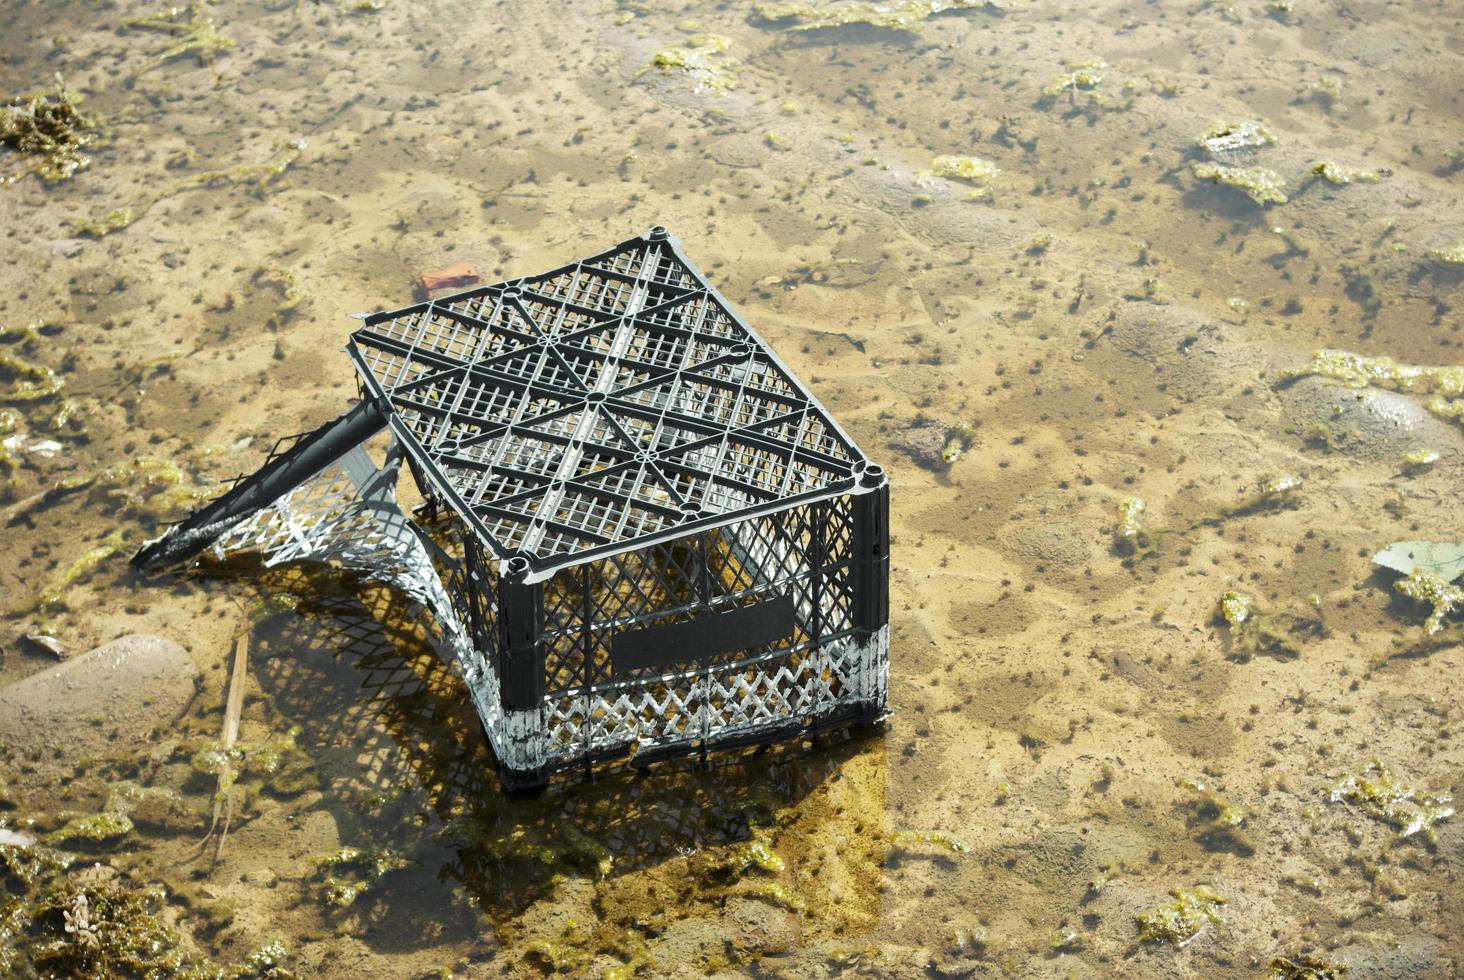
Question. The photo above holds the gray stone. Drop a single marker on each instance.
(81, 708)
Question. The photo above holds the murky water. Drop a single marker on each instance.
(1094, 322)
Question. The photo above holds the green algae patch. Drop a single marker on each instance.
(585, 850)
(1443, 384)
(1384, 797)
(1304, 967)
(1251, 632)
(61, 920)
(1420, 458)
(1335, 173)
(53, 594)
(259, 175)
(1360, 371)
(1235, 609)
(1449, 255)
(351, 871)
(1181, 920)
(775, 894)
(197, 36)
(901, 15)
(95, 828)
(1220, 823)
(906, 840)
(28, 381)
(703, 58)
(1264, 187)
(758, 854)
(1227, 137)
(1080, 76)
(46, 133)
(973, 170)
(1430, 589)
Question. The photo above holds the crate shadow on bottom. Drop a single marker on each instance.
(394, 734)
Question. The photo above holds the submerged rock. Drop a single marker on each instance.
(77, 709)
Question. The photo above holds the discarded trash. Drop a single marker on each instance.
(456, 276)
(646, 532)
(47, 644)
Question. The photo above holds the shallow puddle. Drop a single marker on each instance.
(1033, 255)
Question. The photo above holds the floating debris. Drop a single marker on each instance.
(47, 133)
(900, 15)
(1259, 184)
(1420, 458)
(1129, 534)
(1426, 587)
(1446, 560)
(1179, 922)
(1227, 137)
(701, 56)
(1335, 173)
(1382, 796)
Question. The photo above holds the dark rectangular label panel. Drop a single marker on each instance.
(708, 635)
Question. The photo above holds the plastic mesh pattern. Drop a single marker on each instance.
(599, 404)
(802, 552)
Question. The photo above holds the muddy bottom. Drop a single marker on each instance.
(1061, 270)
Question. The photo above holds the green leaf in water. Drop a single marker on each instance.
(1442, 559)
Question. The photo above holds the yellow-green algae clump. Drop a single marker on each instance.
(1335, 173)
(97, 827)
(198, 35)
(1445, 384)
(1080, 76)
(1129, 533)
(60, 920)
(1448, 254)
(1382, 796)
(703, 57)
(1259, 184)
(1181, 920)
(1223, 137)
(363, 868)
(1425, 586)
(902, 15)
(47, 133)
(259, 174)
(1305, 967)
(972, 170)
(906, 839)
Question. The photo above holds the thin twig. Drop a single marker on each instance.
(233, 708)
